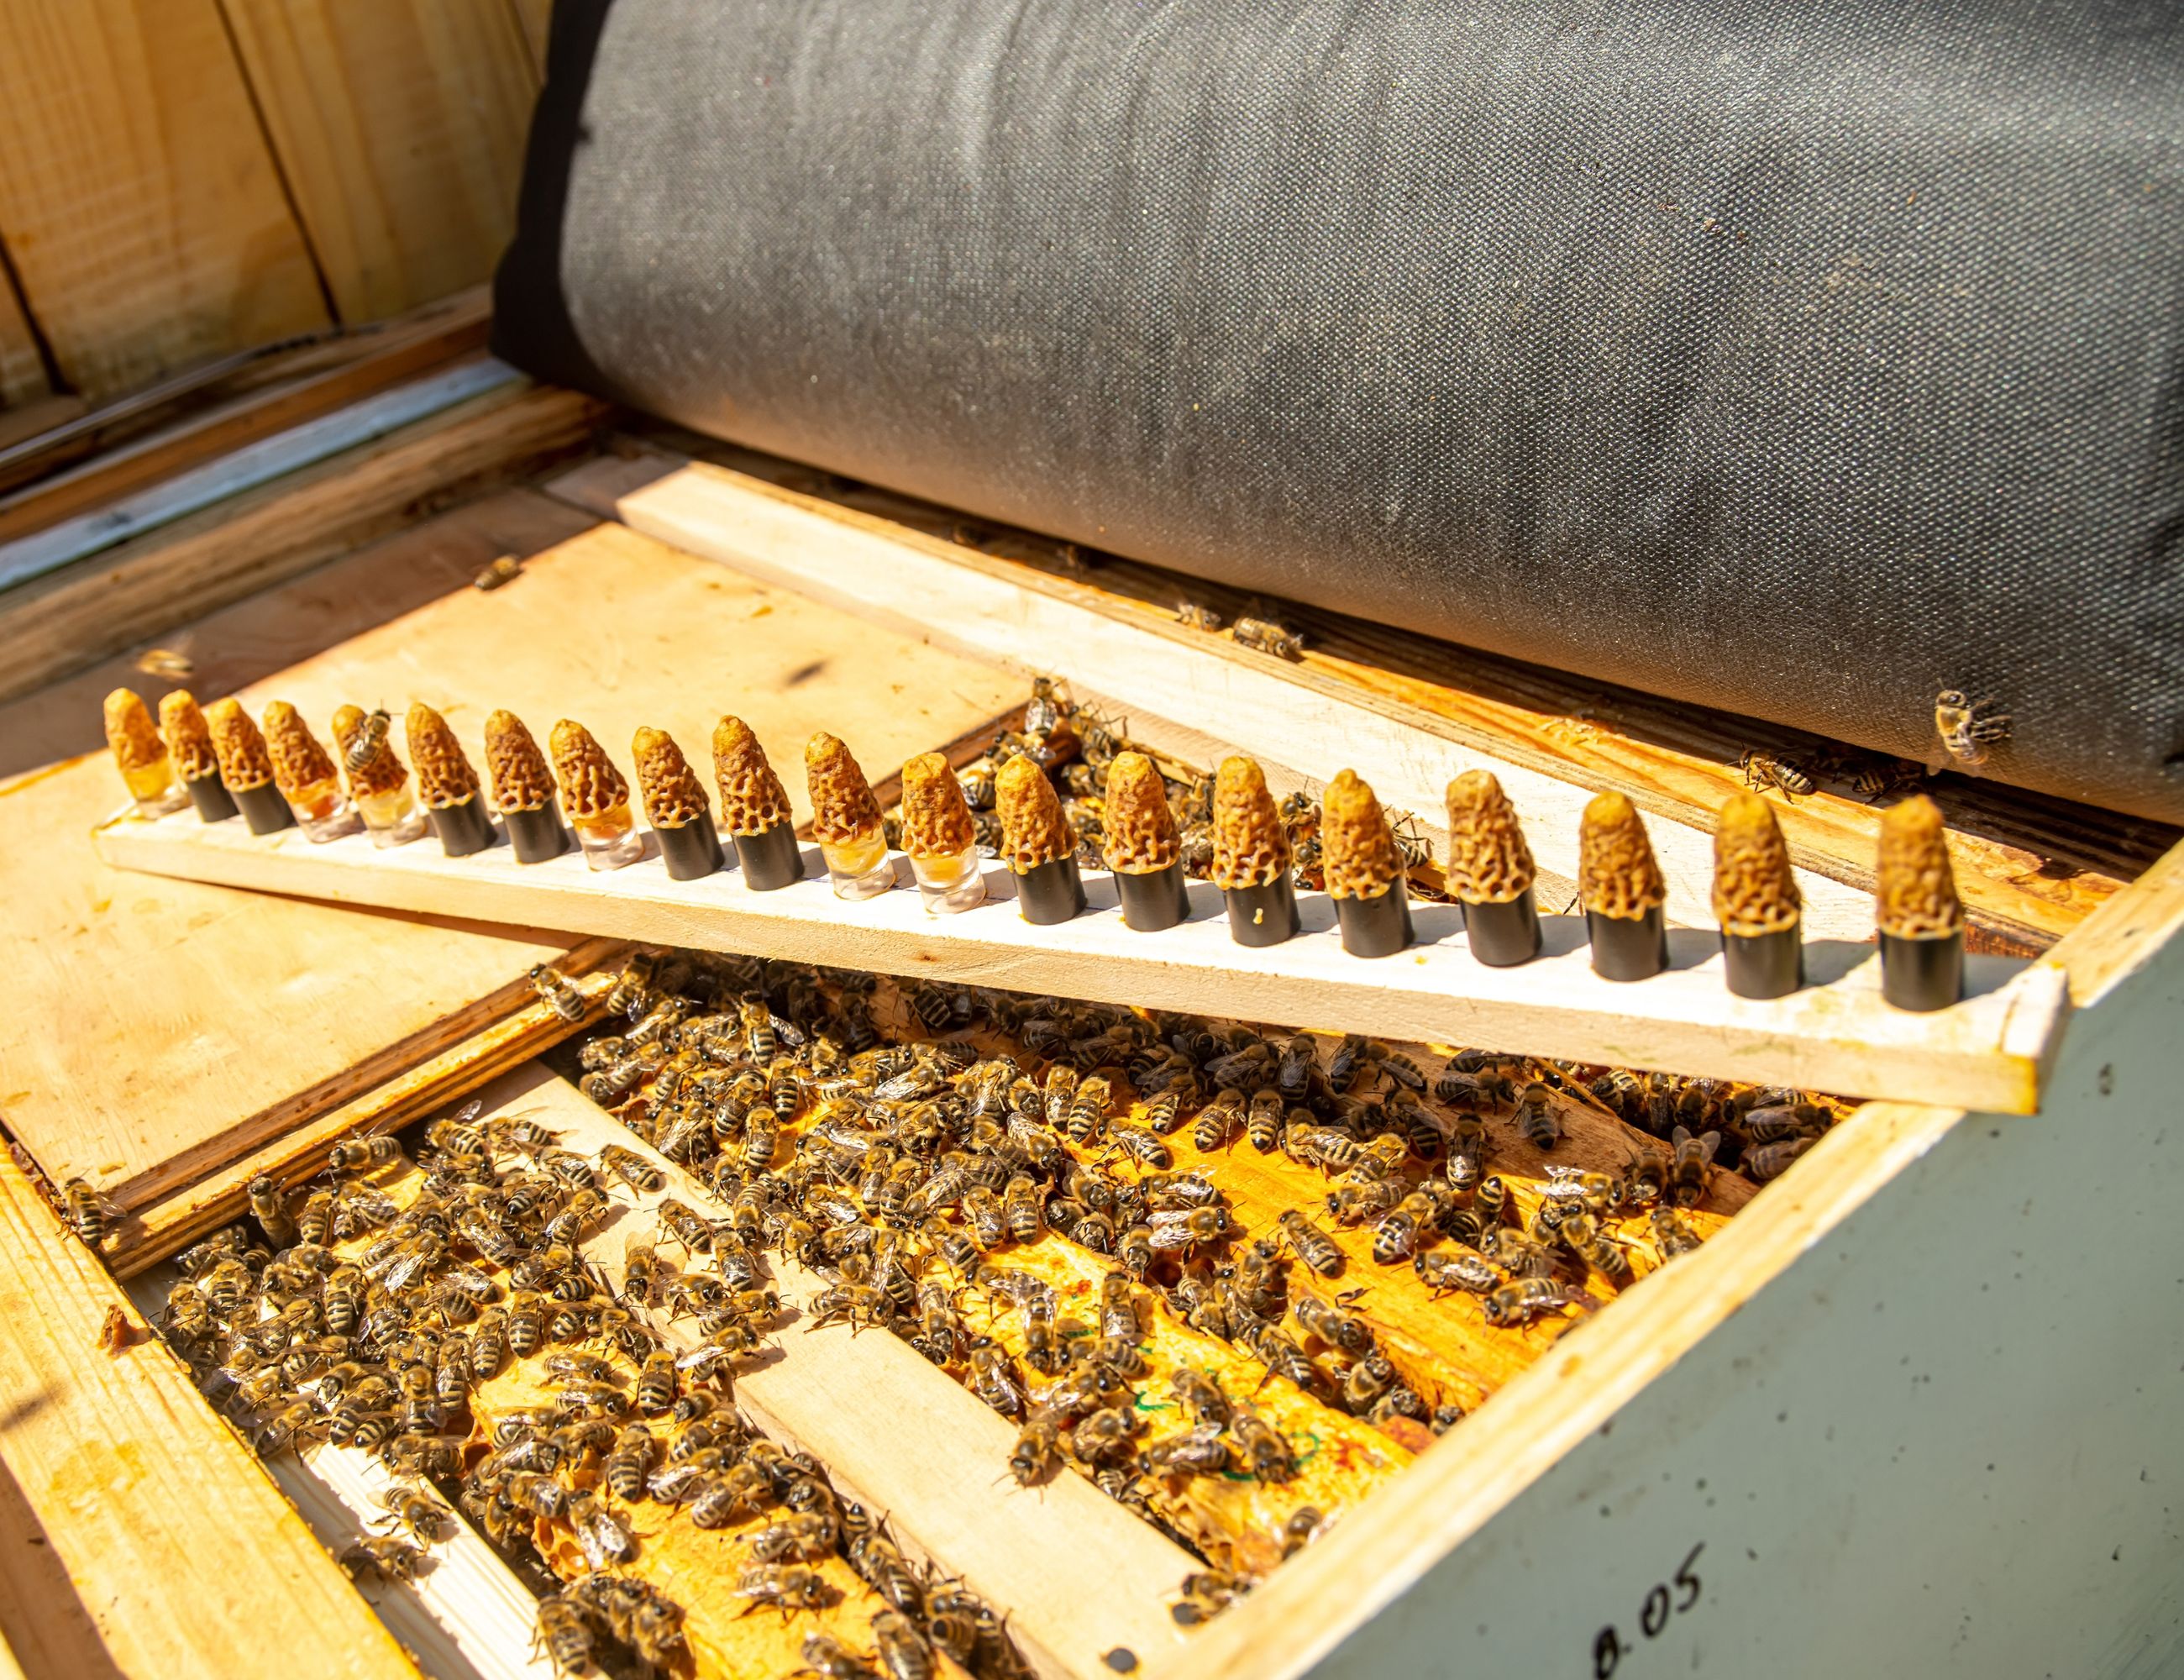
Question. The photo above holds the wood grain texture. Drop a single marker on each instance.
(534, 18)
(182, 1555)
(399, 127)
(138, 200)
(1077, 1573)
(405, 351)
(1836, 1035)
(148, 1021)
(111, 600)
(22, 373)
(2125, 933)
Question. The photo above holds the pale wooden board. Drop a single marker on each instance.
(1076, 1573)
(618, 630)
(22, 375)
(148, 1020)
(65, 620)
(1257, 704)
(138, 199)
(1836, 1035)
(399, 127)
(185, 1557)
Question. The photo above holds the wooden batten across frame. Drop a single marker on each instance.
(1836, 1035)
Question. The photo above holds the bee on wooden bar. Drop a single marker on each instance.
(1692, 1170)
(1268, 636)
(91, 1214)
(1459, 1270)
(1672, 1233)
(1582, 1234)
(1762, 771)
(1264, 1448)
(1333, 1325)
(1311, 1244)
(1535, 1117)
(553, 989)
(1767, 1161)
(363, 1155)
(1522, 1299)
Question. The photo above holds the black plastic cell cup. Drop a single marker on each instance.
(1153, 900)
(263, 808)
(1922, 974)
(538, 834)
(1505, 933)
(1629, 947)
(1263, 916)
(1052, 893)
(1764, 964)
(463, 828)
(1376, 927)
(770, 858)
(691, 849)
(209, 794)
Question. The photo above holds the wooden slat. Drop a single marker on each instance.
(166, 1227)
(1278, 712)
(183, 1556)
(533, 17)
(138, 199)
(1836, 1035)
(1077, 1573)
(399, 127)
(189, 1010)
(75, 616)
(22, 373)
(403, 352)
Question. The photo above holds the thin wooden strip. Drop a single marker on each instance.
(399, 128)
(246, 468)
(186, 1557)
(1024, 618)
(165, 1227)
(76, 616)
(22, 371)
(401, 351)
(1836, 1035)
(141, 205)
(1077, 1574)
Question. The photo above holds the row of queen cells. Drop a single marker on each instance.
(279, 775)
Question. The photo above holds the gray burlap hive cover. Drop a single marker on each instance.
(1801, 359)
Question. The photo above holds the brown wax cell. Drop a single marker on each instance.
(130, 732)
(1034, 831)
(1251, 846)
(590, 784)
(1489, 862)
(1755, 891)
(674, 798)
(752, 799)
(521, 779)
(244, 763)
(444, 775)
(299, 762)
(936, 818)
(1916, 886)
(1617, 875)
(371, 766)
(1140, 828)
(843, 807)
(189, 742)
(1357, 849)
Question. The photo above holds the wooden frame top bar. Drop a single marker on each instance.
(1989, 1052)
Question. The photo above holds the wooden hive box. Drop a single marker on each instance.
(1820, 1442)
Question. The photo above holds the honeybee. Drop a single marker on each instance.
(1396, 1237)
(1140, 1145)
(1968, 728)
(1312, 1245)
(1595, 1192)
(1188, 1228)
(1459, 1269)
(386, 1557)
(1582, 1235)
(1535, 1117)
(1264, 1447)
(994, 1379)
(1206, 1594)
(1772, 1161)
(365, 744)
(409, 1508)
(1331, 1324)
(565, 1635)
(90, 1213)
(1197, 615)
(1522, 1299)
(1693, 1170)
(553, 989)
(1266, 636)
(1672, 1233)
(1088, 1109)
(1105, 1434)
(1219, 1121)
(1766, 770)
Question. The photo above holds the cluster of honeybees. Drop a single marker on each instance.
(1074, 744)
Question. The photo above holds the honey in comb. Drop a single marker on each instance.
(1489, 862)
(1141, 834)
(752, 799)
(1617, 874)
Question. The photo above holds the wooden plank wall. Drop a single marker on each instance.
(185, 180)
